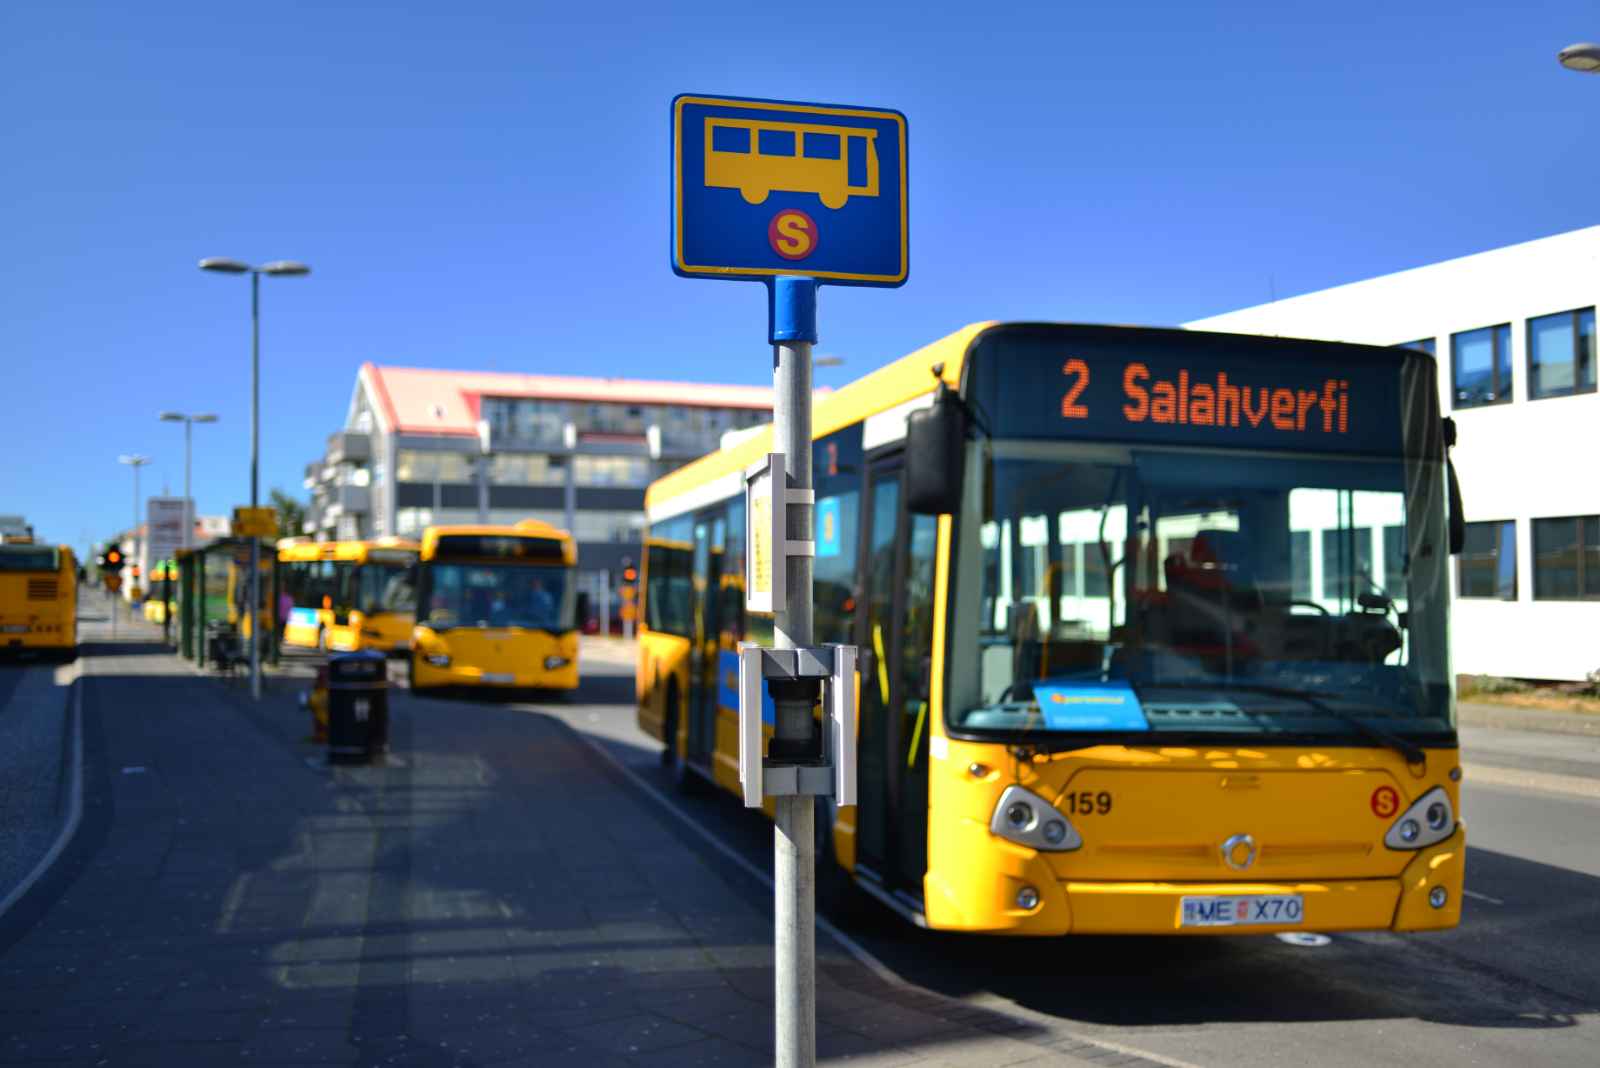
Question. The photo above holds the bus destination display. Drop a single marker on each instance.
(1095, 390)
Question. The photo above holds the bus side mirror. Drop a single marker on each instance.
(936, 439)
(1456, 520)
(583, 608)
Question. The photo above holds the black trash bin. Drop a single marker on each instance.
(358, 708)
(222, 645)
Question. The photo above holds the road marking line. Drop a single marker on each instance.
(1543, 781)
(74, 803)
(1481, 897)
(850, 945)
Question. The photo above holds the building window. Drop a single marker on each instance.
(419, 465)
(527, 469)
(1561, 354)
(1346, 563)
(1425, 344)
(1566, 558)
(1487, 566)
(1394, 562)
(1300, 565)
(596, 525)
(631, 471)
(1480, 365)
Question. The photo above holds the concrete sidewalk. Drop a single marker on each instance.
(493, 896)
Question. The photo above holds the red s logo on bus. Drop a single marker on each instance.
(1385, 802)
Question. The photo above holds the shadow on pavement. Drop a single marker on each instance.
(1470, 977)
(495, 896)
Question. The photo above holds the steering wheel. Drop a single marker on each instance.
(1309, 604)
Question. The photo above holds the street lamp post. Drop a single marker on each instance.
(1583, 57)
(287, 268)
(135, 461)
(188, 422)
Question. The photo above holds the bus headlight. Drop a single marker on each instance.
(438, 659)
(553, 662)
(1430, 819)
(1024, 817)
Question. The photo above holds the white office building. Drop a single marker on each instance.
(1513, 330)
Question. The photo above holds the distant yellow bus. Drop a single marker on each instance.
(496, 607)
(38, 599)
(1152, 624)
(160, 598)
(344, 596)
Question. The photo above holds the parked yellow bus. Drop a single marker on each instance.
(343, 596)
(1153, 632)
(496, 606)
(38, 599)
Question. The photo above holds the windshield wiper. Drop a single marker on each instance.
(1411, 751)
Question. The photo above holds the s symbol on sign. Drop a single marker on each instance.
(792, 234)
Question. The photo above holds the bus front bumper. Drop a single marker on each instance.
(1403, 903)
(459, 675)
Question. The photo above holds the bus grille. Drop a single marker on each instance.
(43, 589)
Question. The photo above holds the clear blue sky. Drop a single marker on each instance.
(485, 186)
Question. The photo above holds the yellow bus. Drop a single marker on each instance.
(496, 606)
(38, 599)
(344, 596)
(1153, 632)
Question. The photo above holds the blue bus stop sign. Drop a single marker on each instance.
(763, 188)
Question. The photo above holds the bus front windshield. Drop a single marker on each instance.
(1109, 589)
(387, 587)
(499, 595)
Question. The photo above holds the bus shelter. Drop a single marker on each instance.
(214, 589)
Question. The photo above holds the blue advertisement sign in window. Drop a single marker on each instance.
(829, 540)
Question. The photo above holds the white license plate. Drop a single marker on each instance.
(1241, 910)
(15, 628)
(500, 677)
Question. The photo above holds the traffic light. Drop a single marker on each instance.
(111, 559)
(630, 574)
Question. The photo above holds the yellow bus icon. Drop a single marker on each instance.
(758, 156)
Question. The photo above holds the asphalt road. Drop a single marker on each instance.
(1518, 982)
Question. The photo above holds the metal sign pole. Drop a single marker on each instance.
(843, 223)
(255, 465)
(794, 330)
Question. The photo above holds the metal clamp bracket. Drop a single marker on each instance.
(761, 776)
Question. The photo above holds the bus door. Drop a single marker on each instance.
(705, 633)
(894, 635)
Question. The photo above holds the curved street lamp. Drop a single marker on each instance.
(134, 460)
(188, 422)
(285, 268)
(1583, 57)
